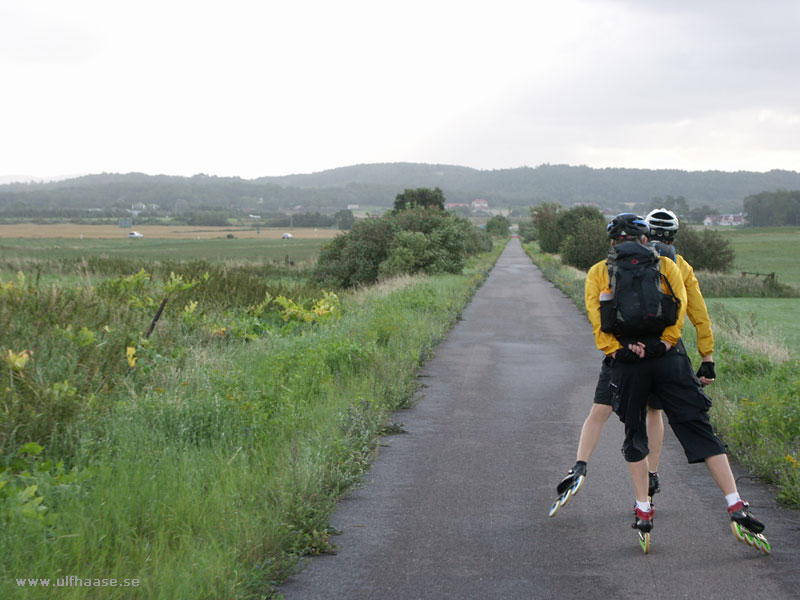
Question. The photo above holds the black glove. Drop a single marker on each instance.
(655, 349)
(707, 370)
(626, 355)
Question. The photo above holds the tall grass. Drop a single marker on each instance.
(208, 476)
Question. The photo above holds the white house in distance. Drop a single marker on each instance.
(480, 204)
(730, 220)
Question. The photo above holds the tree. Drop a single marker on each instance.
(344, 219)
(586, 244)
(545, 218)
(498, 225)
(421, 197)
(705, 250)
(678, 205)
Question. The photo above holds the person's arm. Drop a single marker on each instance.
(596, 282)
(669, 269)
(697, 311)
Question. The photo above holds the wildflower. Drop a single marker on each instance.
(17, 360)
(130, 353)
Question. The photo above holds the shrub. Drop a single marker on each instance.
(418, 239)
(410, 254)
(498, 225)
(705, 250)
(527, 231)
(545, 219)
(586, 245)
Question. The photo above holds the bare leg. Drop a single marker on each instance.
(592, 429)
(721, 472)
(640, 480)
(655, 437)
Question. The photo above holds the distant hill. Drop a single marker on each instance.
(376, 185)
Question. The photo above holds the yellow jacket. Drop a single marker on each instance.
(597, 281)
(696, 308)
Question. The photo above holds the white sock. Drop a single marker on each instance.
(733, 498)
(643, 506)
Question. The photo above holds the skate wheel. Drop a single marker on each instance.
(578, 484)
(554, 508)
(765, 547)
(644, 542)
(737, 531)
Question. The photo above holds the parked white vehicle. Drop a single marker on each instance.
(135, 234)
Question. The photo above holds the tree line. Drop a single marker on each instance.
(579, 235)
(770, 209)
(377, 186)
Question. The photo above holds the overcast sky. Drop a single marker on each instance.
(260, 87)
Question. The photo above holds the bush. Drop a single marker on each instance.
(545, 219)
(705, 250)
(411, 241)
(587, 244)
(353, 258)
(498, 225)
(410, 254)
(527, 231)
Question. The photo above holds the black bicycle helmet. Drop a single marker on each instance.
(663, 223)
(627, 226)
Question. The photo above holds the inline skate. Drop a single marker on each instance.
(643, 521)
(747, 528)
(569, 486)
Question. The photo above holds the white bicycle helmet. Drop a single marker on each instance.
(663, 224)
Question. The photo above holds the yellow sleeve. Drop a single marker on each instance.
(597, 281)
(670, 270)
(696, 308)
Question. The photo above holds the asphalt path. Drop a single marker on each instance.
(457, 506)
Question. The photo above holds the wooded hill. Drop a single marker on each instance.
(376, 185)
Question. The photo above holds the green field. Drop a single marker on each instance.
(211, 250)
(767, 250)
(777, 318)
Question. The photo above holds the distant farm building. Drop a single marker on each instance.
(480, 204)
(730, 220)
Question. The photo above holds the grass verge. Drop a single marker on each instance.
(212, 475)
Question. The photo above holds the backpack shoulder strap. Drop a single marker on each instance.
(664, 277)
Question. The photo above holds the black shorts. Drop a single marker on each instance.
(672, 380)
(603, 393)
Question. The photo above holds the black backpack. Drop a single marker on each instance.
(664, 249)
(638, 306)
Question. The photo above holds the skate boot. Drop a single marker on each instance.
(654, 485)
(747, 528)
(643, 521)
(569, 486)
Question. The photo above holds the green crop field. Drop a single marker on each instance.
(212, 250)
(776, 318)
(767, 250)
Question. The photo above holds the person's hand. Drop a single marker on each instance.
(656, 349)
(628, 355)
(706, 373)
(639, 348)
